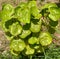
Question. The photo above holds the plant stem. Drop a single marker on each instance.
(30, 56)
(44, 52)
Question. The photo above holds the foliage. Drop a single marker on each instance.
(23, 26)
(7, 55)
(53, 52)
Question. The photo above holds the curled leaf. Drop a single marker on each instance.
(7, 12)
(17, 45)
(31, 4)
(23, 15)
(49, 5)
(32, 40)
(54, 17)
(15, 29)
(25, 33)
(35, 12)
(29, 50)
(54, 13)
(45, 39)
(35, 27)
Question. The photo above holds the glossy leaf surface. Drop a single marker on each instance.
(49, 5)
(17, 45)
(36, 26)
(25, 33)
(7, 12)
(32, 40)
(23, 15)
(29, 50)
(45, 38)
(15, 29)
(54, 13)
(35, 12)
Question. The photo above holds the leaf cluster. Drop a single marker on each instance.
(23, 26)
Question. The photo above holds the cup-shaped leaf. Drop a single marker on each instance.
(35, 12)
(54, 10)
(31, 4)
(4, 27)
(17, 45)
(49, 5)
(23, 15)
(15, 29)
(7, 12)
(35, 26)
(40, 49)
(29, 50)
(4, 15)
(9, 36)
(16, 53)
(22, 5)
(45, 38)
(36, 46)
(32, 40)
(25, 33)
(54, 13)
(54, 17)
(8, 8)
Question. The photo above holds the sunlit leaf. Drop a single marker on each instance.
(49, 5)
(32, 40)
(17, 45)
(45, 38)
(35, 26)
(7, 12)
(23, 15)
(15, 29)
(29, 50)
(25, 33)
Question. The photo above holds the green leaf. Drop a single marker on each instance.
(29, 50)
(54, 17)
(26, 16)
(53, 23)
(36, 46)
(35, 12)
(32, 40)
(14, 52)
(4, 15)
(22, 5)
(7, 12)
(54, 10)
(54, 13)
(39, 50)
(15, 29)
(4, 27)
(32, 4)
(45, 38)
(23, 15)
(25, 33)
(8, 36)
(49, 5)
(8, 8)
(35, 26)
(17, 45)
